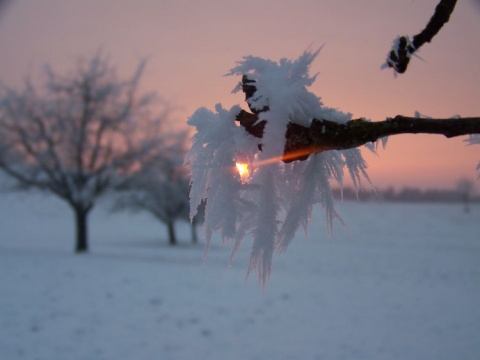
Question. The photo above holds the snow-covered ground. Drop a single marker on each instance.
(402, 282)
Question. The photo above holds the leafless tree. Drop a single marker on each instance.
(161, 188)
(78, 136)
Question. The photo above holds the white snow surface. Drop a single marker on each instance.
(401, 282)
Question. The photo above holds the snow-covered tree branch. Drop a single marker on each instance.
(243, 163)
(404, 48)
(323, 135)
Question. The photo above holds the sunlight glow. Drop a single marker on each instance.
(288, 157)
(243, 171)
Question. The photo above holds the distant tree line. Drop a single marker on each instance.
(407, 194)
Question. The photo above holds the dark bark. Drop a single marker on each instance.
(81, 220)
(400, 59)
(323, 135)
(172, 237)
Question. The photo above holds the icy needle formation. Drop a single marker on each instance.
(278, 196)
(472, 140)
(262, 171)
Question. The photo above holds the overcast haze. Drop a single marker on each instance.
(192, 44)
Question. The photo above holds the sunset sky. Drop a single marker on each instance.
(191, 44)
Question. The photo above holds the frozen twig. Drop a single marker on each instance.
(404, 48)
(323, 135)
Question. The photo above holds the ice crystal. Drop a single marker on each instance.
(276, 198)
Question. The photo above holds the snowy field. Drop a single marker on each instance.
(402, 282)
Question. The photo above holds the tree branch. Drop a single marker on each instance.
(399, 57)
(324, 135)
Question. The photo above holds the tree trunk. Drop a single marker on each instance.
(194, 232)
(171, 233)
(81, 217)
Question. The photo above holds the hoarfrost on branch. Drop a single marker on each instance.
(277, 197)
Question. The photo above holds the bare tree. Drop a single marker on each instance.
(161, 188)
(76, 137)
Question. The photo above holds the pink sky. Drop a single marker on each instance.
(191, 44)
